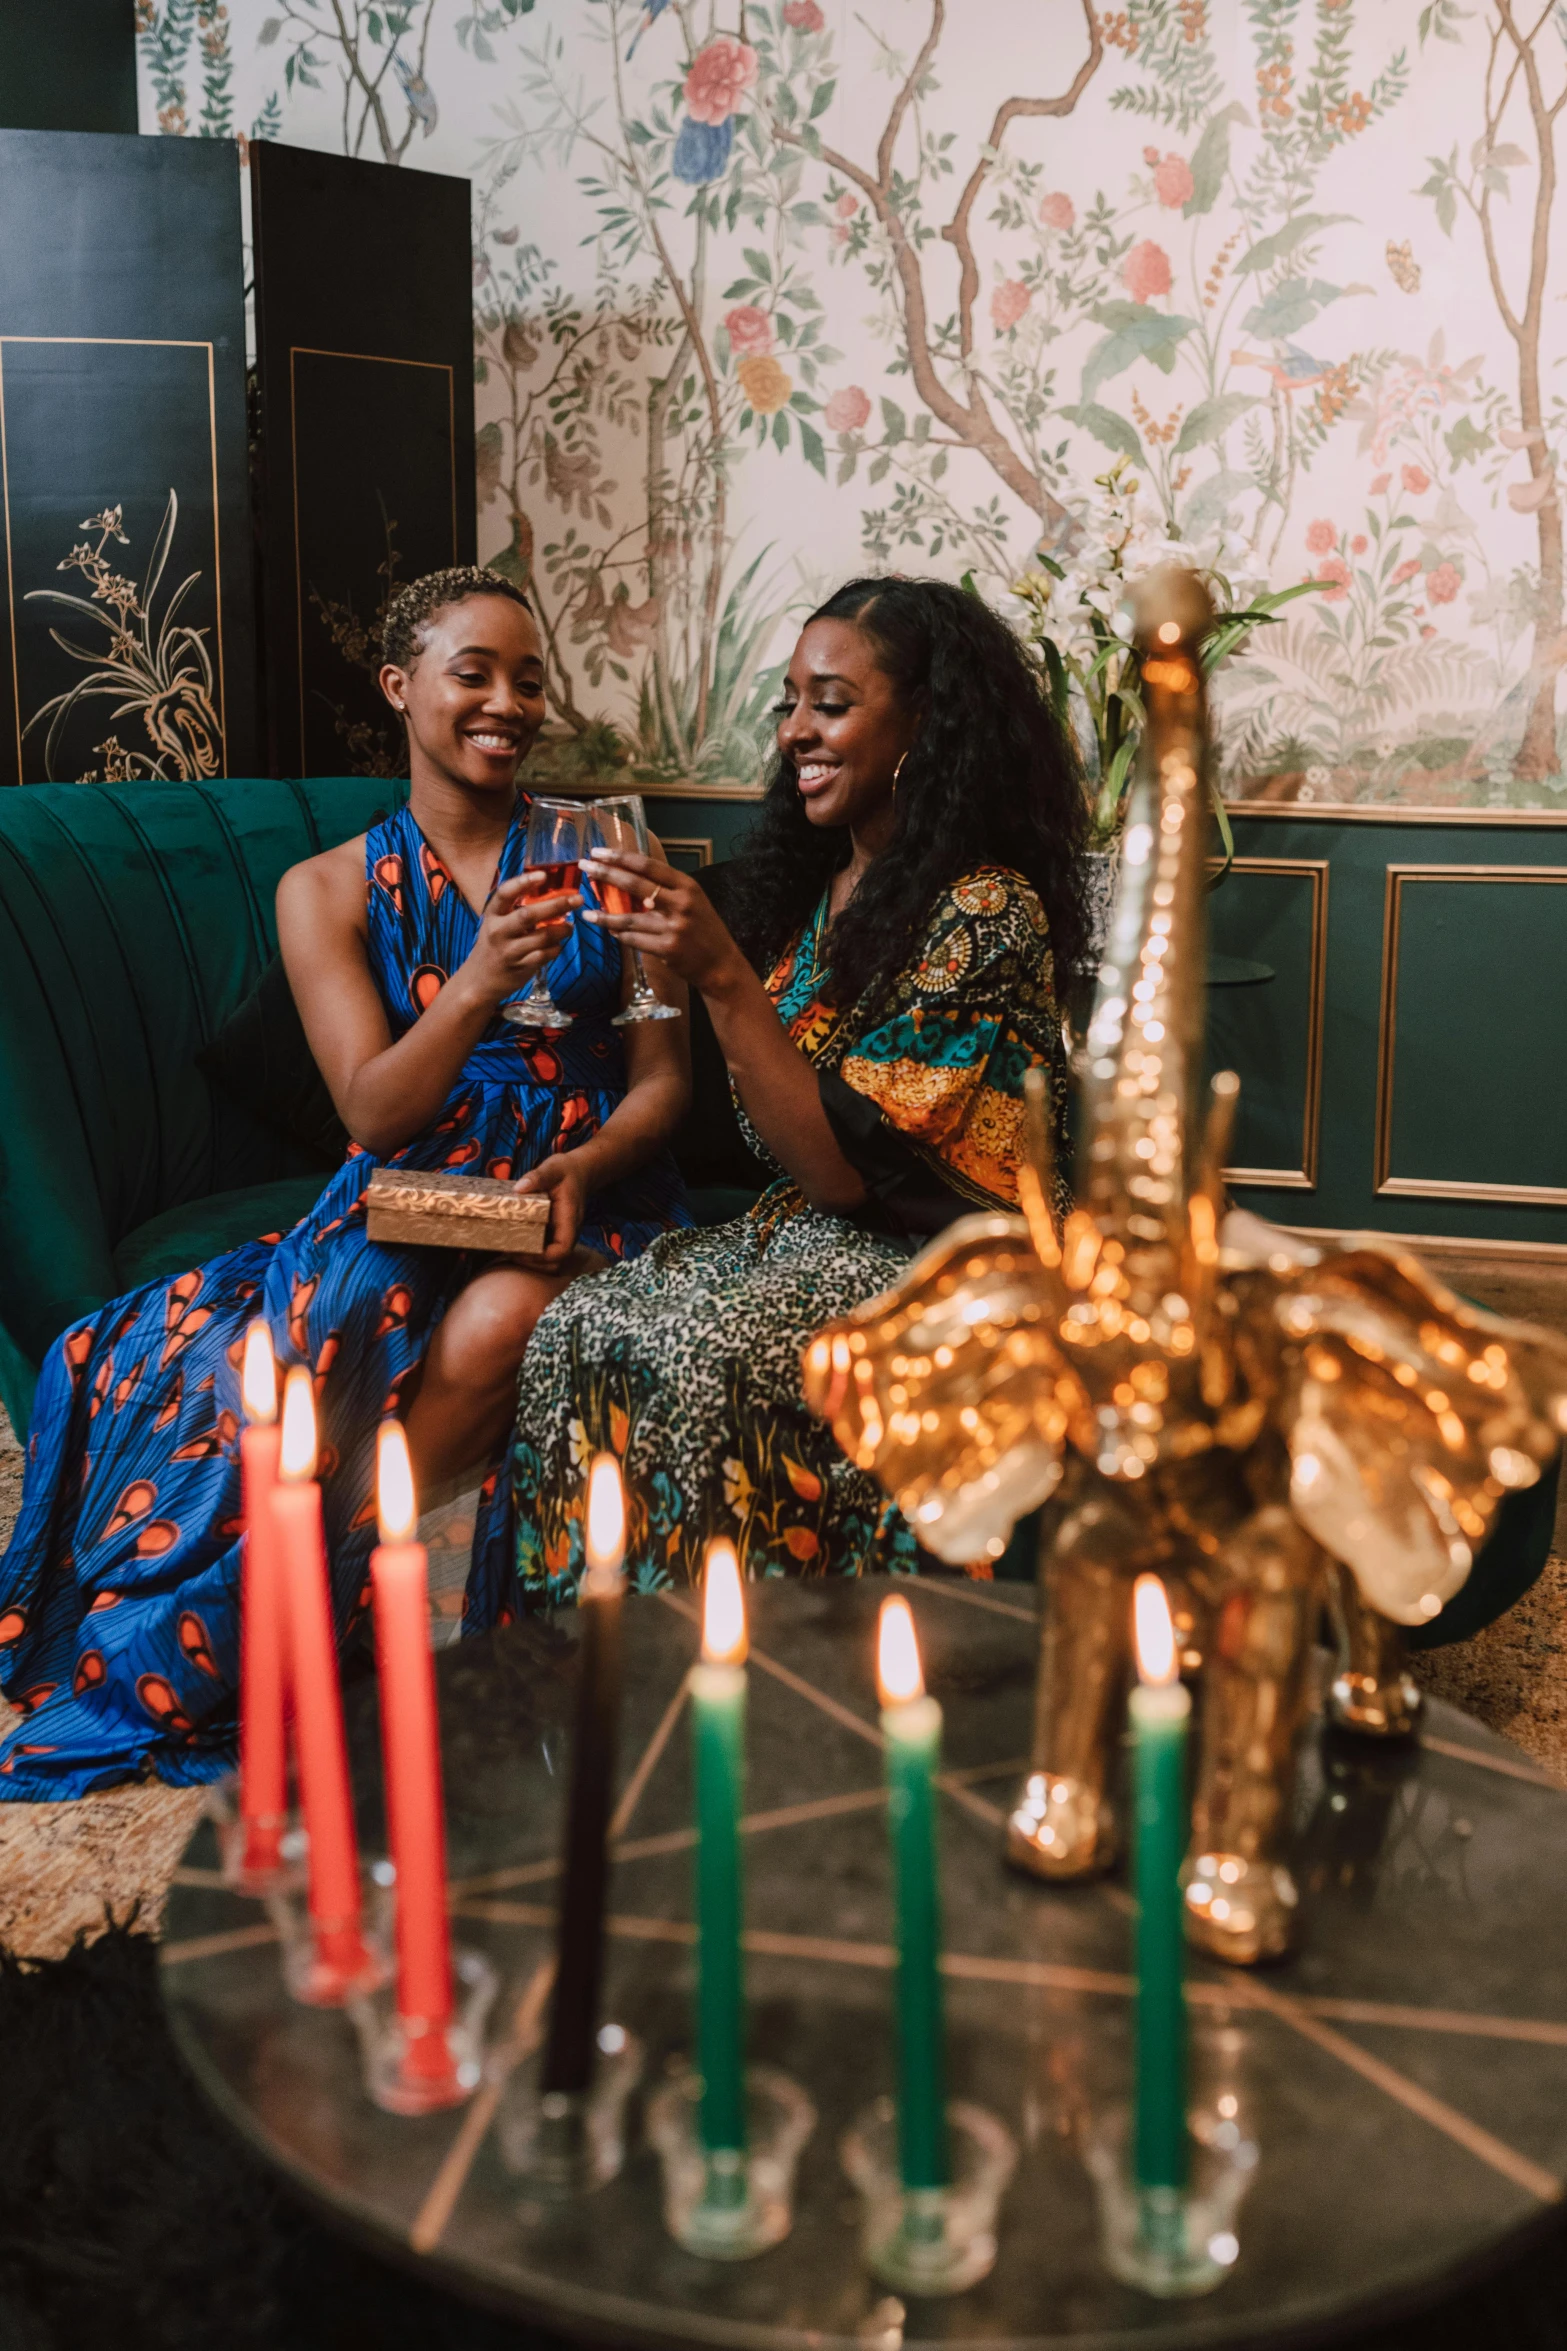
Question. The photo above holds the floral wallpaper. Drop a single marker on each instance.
(771, 291)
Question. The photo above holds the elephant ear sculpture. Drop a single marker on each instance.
(1226, 1403)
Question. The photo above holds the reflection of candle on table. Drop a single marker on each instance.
(411, 1760)
(568, 2055)
(263, 1789)
(318, 1713)
(911, 1729)
(718, 1749)
(1160, 1712)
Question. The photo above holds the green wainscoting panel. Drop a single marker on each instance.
(698, 829)
(1471, 1103)
(1444, 1021)
(1272, 912)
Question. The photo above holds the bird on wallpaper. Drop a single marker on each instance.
(652, 11)
(417, 91)
(1297, 371)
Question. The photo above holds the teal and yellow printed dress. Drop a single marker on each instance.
(686, 1363)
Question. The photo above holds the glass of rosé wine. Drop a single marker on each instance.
(557, 837)
(620, 822)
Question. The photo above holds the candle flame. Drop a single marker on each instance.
(297, 1453)
(723, 1607)
(258, 1380)
(395, 1501)
(1154, 1632)
(898, 1655)
(606, 1536)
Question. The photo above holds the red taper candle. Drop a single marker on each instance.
(263, 1787)
(342, 1961)
(411, 1760)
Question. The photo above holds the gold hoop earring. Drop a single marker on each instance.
(897, 771)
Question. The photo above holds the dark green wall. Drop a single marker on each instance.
(67, 65)
(1440, 1052)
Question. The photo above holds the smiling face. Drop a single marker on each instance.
(842, 726)
(474, 699)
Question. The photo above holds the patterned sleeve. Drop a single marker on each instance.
(927, 1101)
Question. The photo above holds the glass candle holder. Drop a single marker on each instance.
(415, 2064)
(930, 2240)
(1173, 2242)
(331, 1963)
(728, 2203)
(257, 1856)
(567, 2143)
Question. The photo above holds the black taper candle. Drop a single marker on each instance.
(579, 1949)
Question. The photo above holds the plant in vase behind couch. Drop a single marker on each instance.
(1076, 622)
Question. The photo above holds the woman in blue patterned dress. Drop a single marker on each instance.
(119, 1628)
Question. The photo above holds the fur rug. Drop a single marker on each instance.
(131, 2217)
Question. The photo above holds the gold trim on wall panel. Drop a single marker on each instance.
(1351, 812)
(129, 343)
(1384, 1182)
(703, 848)
(1304, 1177)
(370, 359)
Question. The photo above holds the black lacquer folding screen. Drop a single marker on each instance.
(126, 633)
(365, 454)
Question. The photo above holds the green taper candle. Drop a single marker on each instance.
(1161, 1712)
(718, 1749)
(911, 1728)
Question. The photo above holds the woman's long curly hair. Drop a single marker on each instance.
(990, 780)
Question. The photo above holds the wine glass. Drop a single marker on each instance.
(620, 822)
(556, 838)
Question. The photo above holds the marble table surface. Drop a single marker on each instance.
(1405, 2076)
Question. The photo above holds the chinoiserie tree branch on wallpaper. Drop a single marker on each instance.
(771, 290)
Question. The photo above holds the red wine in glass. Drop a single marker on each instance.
(620, 822)
(557, 833)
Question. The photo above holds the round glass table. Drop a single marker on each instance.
(1404, 2078)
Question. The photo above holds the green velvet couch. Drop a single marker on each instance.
(134, 919)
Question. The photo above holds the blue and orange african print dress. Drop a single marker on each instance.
(119, 1629)
(687, 1364)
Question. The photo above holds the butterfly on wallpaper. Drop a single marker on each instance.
(1405, 268)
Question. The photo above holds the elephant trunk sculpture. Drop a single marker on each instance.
(1264, 1425)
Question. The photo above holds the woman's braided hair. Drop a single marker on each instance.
(413, 608)
(991, 779)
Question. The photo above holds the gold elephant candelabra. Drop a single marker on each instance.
(1266, 1425)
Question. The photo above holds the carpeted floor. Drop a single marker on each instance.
(130, 2216)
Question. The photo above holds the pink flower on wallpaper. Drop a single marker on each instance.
(1008, 303)
(847, 205)
(1358, 544)
(1443, 584)
(1173, 182)
(750, 329)
(1380, 484)
(1057, 211)
(1405, 571)
(1321, 538)
(1146, 271)
(847, 410)
(1428, 630)
(1416, 480)
(1336, 570)
(720, 79)
(803, 16)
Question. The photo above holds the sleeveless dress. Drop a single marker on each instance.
(119, 1621)
(687, 1363)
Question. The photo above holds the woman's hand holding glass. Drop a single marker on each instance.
(518, 936)
(671, 915)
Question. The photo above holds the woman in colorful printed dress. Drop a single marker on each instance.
(118, 1616)
(913, 884)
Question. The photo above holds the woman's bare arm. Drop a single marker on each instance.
(387, 1093)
